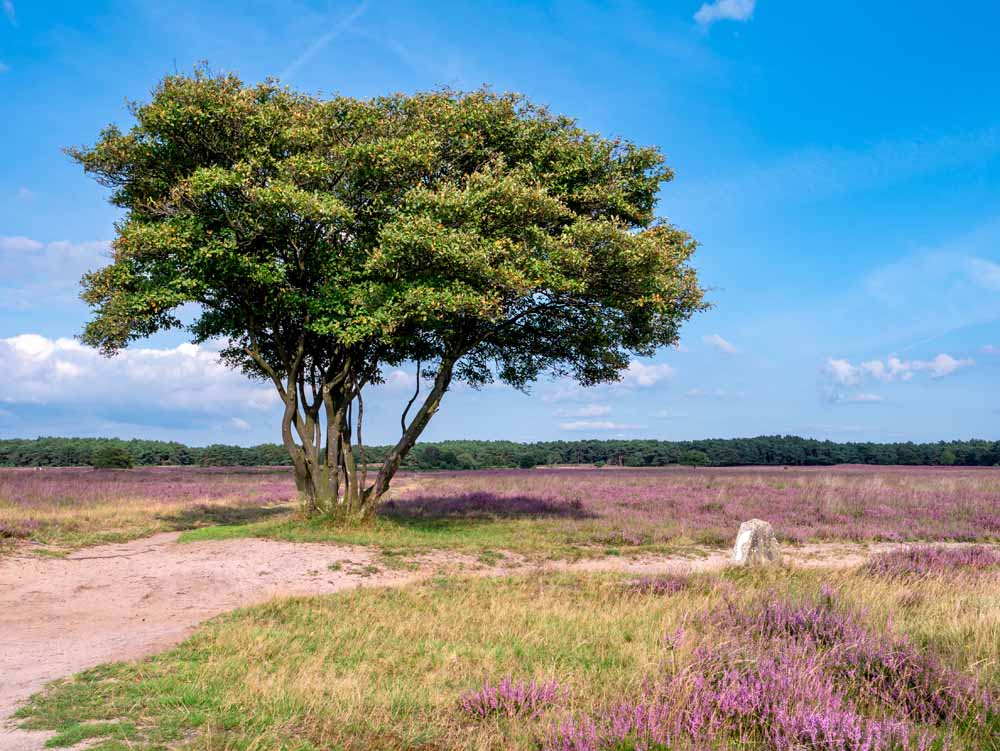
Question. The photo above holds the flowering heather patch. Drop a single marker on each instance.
(790, 677)
(80, 506)
(18, 529)
(931, 560)
(510, 699)
(79, 487)
(663, 505)
(664, 584)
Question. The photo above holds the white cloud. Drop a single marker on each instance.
(991, 349)
(717, 342)
(239, 423)
(864, 398)
(640, 374)
(841, 398)
(892, 370)
(588, 410)
(400, 380)
(942, 365)
(578, 425)
(34, 274)
(724, 10)
(666, 414)
(19, 244)
(842, 372)
(188, 377)
(984, 273)
(838, 428)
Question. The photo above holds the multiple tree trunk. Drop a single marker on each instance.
(321, 428)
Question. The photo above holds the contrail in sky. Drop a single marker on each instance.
(324, 40)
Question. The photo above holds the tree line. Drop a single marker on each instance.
(762, 450)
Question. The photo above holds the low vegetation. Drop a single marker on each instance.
(812, 661)
(75, 507)
(540, 512)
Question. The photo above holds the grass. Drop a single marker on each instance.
(532, 538)
(385, 668)
(536, 513)
(72, 508)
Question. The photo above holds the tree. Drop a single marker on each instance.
(475, 234)
(110, 456)
(695, 458)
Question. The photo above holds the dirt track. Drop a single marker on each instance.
(120, 602)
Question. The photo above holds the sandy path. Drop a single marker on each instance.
(120, 602)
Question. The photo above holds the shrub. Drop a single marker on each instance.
(111, 457)
(510, 699)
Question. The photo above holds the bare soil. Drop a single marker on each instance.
(121, 602)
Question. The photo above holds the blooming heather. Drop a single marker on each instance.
(931, 560)
(788, 676)
(509, 698)
(659, 505)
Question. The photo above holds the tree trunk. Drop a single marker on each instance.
(329, 478)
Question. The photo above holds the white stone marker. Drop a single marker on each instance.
(756, 544)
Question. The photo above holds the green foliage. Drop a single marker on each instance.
(477, 233)
(763, 450)
(694, 458)
(111, 456)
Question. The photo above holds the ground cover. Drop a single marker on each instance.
(582, 512)
(75, 507)
(568, 513)
(883, 657)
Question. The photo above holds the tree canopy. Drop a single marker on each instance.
(476, 234)
(452, 455)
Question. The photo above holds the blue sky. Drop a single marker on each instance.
(839, 163)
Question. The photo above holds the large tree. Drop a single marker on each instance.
(474, 234)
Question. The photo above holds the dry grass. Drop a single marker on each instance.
(75, 507)
(384, 668)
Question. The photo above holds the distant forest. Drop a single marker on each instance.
(763, 450)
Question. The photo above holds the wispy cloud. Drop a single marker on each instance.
(596, 425)
(814, 174)
(35, 274)
(239, 423)
(8, 10)
(991, 349)
(4, 67)
(641, 374)
(317, 46)
(724, 10)
(839, 398)
(25, 194)
(984, 273)
(588, 410)
(717, 342)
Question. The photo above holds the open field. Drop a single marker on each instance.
(790, 659)
(541, 512)
(77, 506)
(651, 644)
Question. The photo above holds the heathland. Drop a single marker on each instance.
(900, 652)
